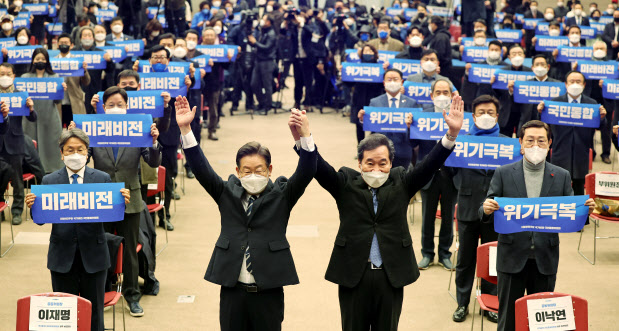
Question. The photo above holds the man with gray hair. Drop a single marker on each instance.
(78, 256)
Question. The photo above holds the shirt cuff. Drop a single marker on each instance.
(188, 140)
(307, 143)
(448, 143)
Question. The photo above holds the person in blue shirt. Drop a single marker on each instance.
(201, 17)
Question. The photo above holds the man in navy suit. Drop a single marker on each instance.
(392, 79)
(578, 18)
(570, 150)
(78, 256)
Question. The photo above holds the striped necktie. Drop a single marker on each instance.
(248, 260)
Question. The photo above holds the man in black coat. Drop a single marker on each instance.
(541, 67)
(440, 41)
(373, 256)
(252, 259)
(526, 260)
(610, 35)
(78, 256)
(470, 91)
(264, 42)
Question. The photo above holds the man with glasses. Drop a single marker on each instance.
(571, 148)
(526, 260)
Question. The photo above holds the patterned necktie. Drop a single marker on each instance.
(375, 256)
(248, 265)
(250, 204)
(75, 177)
(393, 103)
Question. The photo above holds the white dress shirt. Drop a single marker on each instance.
(80, 173)
(570, 99)
(397, 100)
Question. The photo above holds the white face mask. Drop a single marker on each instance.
(217, 29)
(216, 4)
(180, 52)
(485, 122)
(479, 41)
(415, 41)
(22, 40)
(577, 12)
(494, 55)
(610, 11)
(592, 9)
(560, 4)
(575, 89)
(599, 54)
(254, 184)
(375, 179)
(6, 81)
(269, 9)
(540, 71)
(117, 28)
(87, 42)
(535, 154)
(517, 61)
(441, 102)
(393, 87)
(18, 3)
(75, 161)
(549, 16)
(191, 45)
(554, 32)
(575, 38)
(99, 36)
(7, 26)
(155, 33)
(533, 8)
(116, 111)
(428, 66)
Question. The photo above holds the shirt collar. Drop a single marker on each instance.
(570, 99)
(542, 80)
(397, 97)
(79, 173)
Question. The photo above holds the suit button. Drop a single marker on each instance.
(248, 229)
(242, 248)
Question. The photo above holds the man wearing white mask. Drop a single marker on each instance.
(579, 18)
(429, 72)
(541, 67)
(571, 146)
(414, 49)
(252, 260)
(533, 12)
(611, 36)
(470, 91)
(560, 10)
(373, 258)
(526, 260)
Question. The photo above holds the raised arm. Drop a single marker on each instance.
(306, 167)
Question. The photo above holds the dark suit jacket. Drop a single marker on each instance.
(401, 141)
(358, 222)
(12, 141)
(570, 144)
(470, 91)
(608, 36)
(569, 21)
(264, 230)
(513, 249)
(529, 111)
(4, 126)
(507, 101)
(88, 238)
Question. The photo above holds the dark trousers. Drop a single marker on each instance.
(511, 287)
(67, 115)
(17, 179)
(469, 233)
(441, 189)
(359, 131)
(89, 286)
(302, 79)
(262, 83)
(319, 87)
(372, 304)
(129, 229)
(242, 83)
(605, 134)
(240, 310)
(169, 162)
(512, 123)
(212, 98)
(176, 21)
(578, 185)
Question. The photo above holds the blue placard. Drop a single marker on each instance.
(117, 53)
(20, 54)
(587, 32)
(482, 73)
(37, 9)
(549, 43)
(410, 13)
(3, 11)
(547, 214)
(509, 35)
(407, 67)
(598, 69)
(53, 12)
(470, 41)
(152, 11)
(504, 76)
(418, 91)
(383, 119)
(105, 14)
(16, 102)
(543, 27)
(140, 102)
(528, 62)
(531, 23)
(362, 72)
(173, 66)
(605, 19)
(78, 203)
(135, 46)
(67, 67)
(519, 18)
(174, 83)
(432, 126)
(24, 14)
(440, 11)
(236, 19)
(352, 55)
(127, 130)
(610, 89)
(536, 92)
(203, 62)
(219, 53)
(386, 55)
(483, 152)
(571, 54)
(94, 59)
(474, 54)
(162, 20)
(499, 16)
(7, 42)
(394, 11)
(21, 22)
(55, 29)
(46, 88)
(571, 114)
(598, 26)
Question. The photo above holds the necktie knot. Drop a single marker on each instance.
(75, 177)
(574, 101)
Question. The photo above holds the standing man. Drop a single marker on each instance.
(373, 256)
(264, 41)
(511, 111)
(429, 73)
(470, 91)
(526, 260)
(611, 36)
(439, 40)
(384, 42)
(252, 260)
(541, 67)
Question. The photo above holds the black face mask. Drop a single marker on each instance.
(616, 19)
(64, 48)
(40, 65)
(129, 88)
(421, 15)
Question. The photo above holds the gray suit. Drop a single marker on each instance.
(418, 78)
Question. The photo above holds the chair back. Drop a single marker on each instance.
(581, 314)
(84, 308)
(483, 262)
(160, 182)
(119, 260)
(590, 185)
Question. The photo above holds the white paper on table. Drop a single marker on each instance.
(607, 184)
(492, 261)
(53, 313)
(555, 314)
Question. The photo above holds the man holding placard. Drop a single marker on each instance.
(78, 256)
(526, 260)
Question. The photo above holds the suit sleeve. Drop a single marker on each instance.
(163, 123)
(4, 126)
(33, 116)
(152, 156)
(495, 190)
(567, 185)
(206, 176)
(417, 177)
(607, 35)
(303, 175)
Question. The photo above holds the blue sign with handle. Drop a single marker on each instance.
(543, 28)
(531, 23)
(135, 47)
(67, 67)
(173, 66)
(140, 102)
(37, 9)
(419, 91)
(219, 53)
(482, 73)
(203, 62)
(509, 35)
(172, 82)
(117, 53)
(571, 54)
(536, 92)
(571, 114)
(474, 54)
(362, 72)
(610, 89)
(432, 126)
(7, 42)
(20, 54)
(483, 152)
(550, 43)
(94, 59)
(384, 119)
(598, 69)
(55, 29)
(502, 77)
(126, 130)
(45, 88)
(407, 67)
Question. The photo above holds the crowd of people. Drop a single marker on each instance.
(270, 40)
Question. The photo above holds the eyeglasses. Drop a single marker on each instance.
(158, 58)
(542, 143)
(257, 172)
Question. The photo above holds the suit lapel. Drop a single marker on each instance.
(547, 181)
(120, 152)
(518, 175)
(88, 175)
(64, 174)
(110, 153)
(383, 196)
(367, 194)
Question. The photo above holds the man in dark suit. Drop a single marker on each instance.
(571, 148)
(470, 91)
(578, 18)
(611, 35)
(414, 49)
(541, 67)
(12, 146)
(78, 256)
(526, 260)
(529, 34)
(392, 79)
(373, 256)
(429, 72)
(252, 259)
